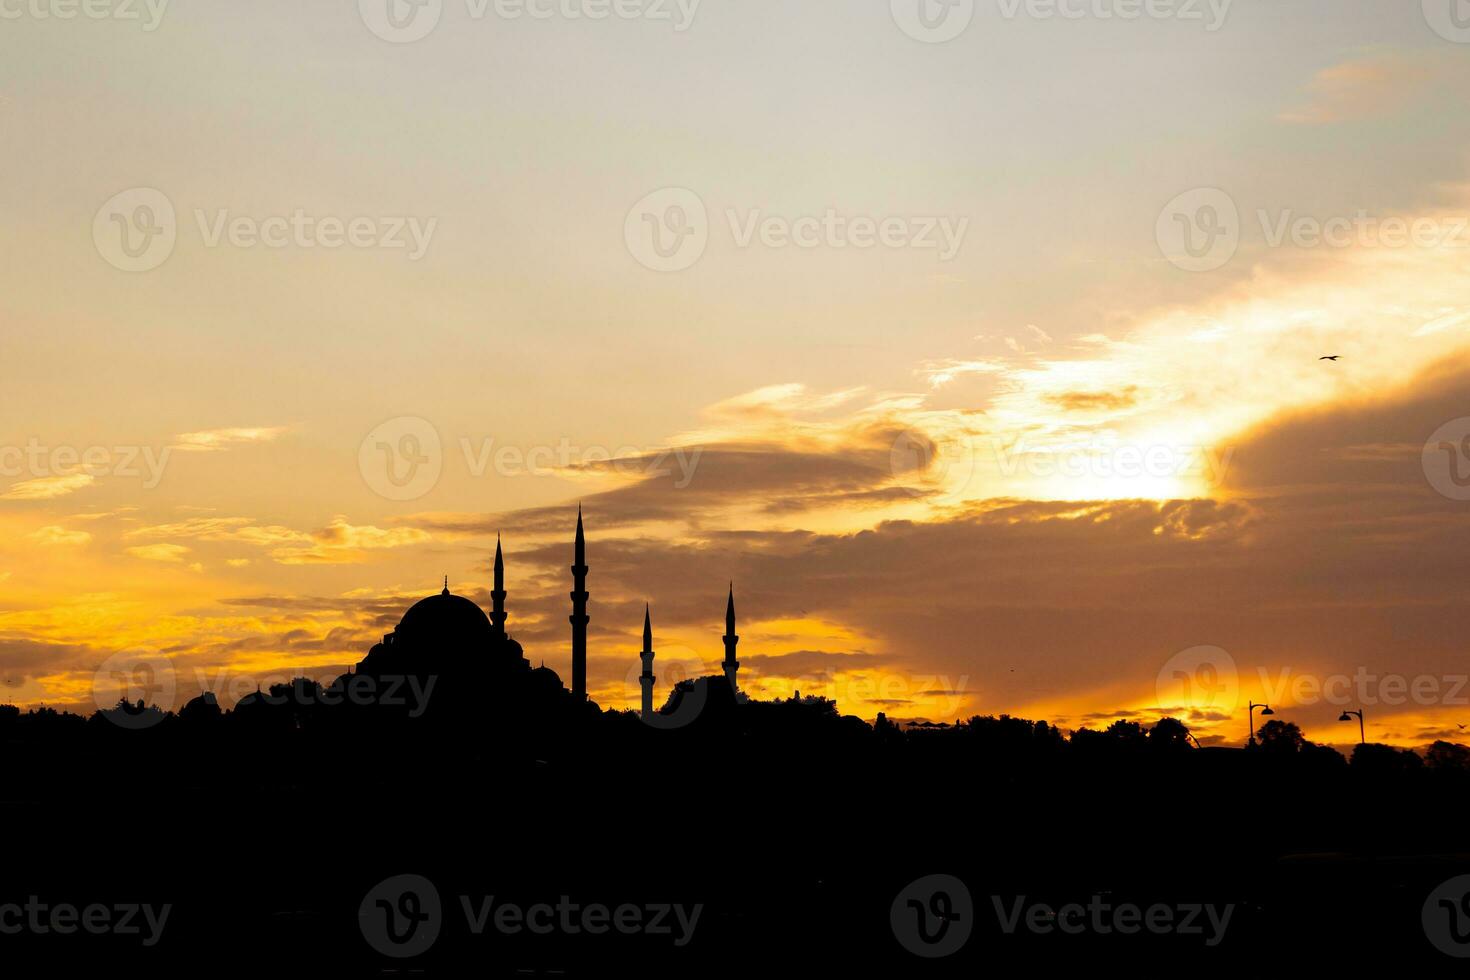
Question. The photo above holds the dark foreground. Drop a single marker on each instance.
(715, 849)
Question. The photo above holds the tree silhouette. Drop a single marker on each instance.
(1127, 731)
(1448, 756)
(1375, 758)
(1169, 733)
(1281, 737)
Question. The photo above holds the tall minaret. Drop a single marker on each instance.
(578, 617)
(732, 666)
(497, 614)
(646, 678)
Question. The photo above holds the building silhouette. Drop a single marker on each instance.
(579, 613)
(731, 665)
(448, 637)
(646, 679)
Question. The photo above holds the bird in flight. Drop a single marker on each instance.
(1331, 357)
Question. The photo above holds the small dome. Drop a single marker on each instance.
(203, 707)
(544, 678)
(254, 701)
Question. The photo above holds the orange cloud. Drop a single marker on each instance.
(1373, 85)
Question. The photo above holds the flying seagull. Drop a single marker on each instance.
(1334, 357)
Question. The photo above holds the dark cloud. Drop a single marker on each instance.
(24, 658)
(1107, 716)
(691, 485)
(1317, 557)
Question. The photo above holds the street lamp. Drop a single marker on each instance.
(1348, 716)
(1251, 717)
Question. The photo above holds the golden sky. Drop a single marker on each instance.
(1055, 428)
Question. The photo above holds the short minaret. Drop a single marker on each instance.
(579, 617)
(732, 666)
(646, 678)
(497, 614)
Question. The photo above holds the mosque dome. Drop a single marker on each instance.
(444, 618)
(546, 680)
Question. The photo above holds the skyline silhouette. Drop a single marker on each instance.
(1206, 698)
(476, 775)
(558, 488)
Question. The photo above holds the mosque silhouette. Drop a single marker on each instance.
(450, 638)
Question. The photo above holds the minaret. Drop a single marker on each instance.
(646, 678)
(497, 614)
(732, 666)
(578, 617)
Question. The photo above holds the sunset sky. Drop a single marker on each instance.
(1020, 471)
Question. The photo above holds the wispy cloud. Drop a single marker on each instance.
(339, 543)
(1373, 85)
(218, 440)
(169, 553)
(121, 512)
(941, 373)
(55, 535)
(343, 543)
(48, 487)
(221, 529)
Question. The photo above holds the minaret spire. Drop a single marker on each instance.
(497, 614)
(731, 665)
(581, 547)
(646, 679)
(579, 617)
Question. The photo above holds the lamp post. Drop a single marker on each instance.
(1362, 733)
(1251, 717)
